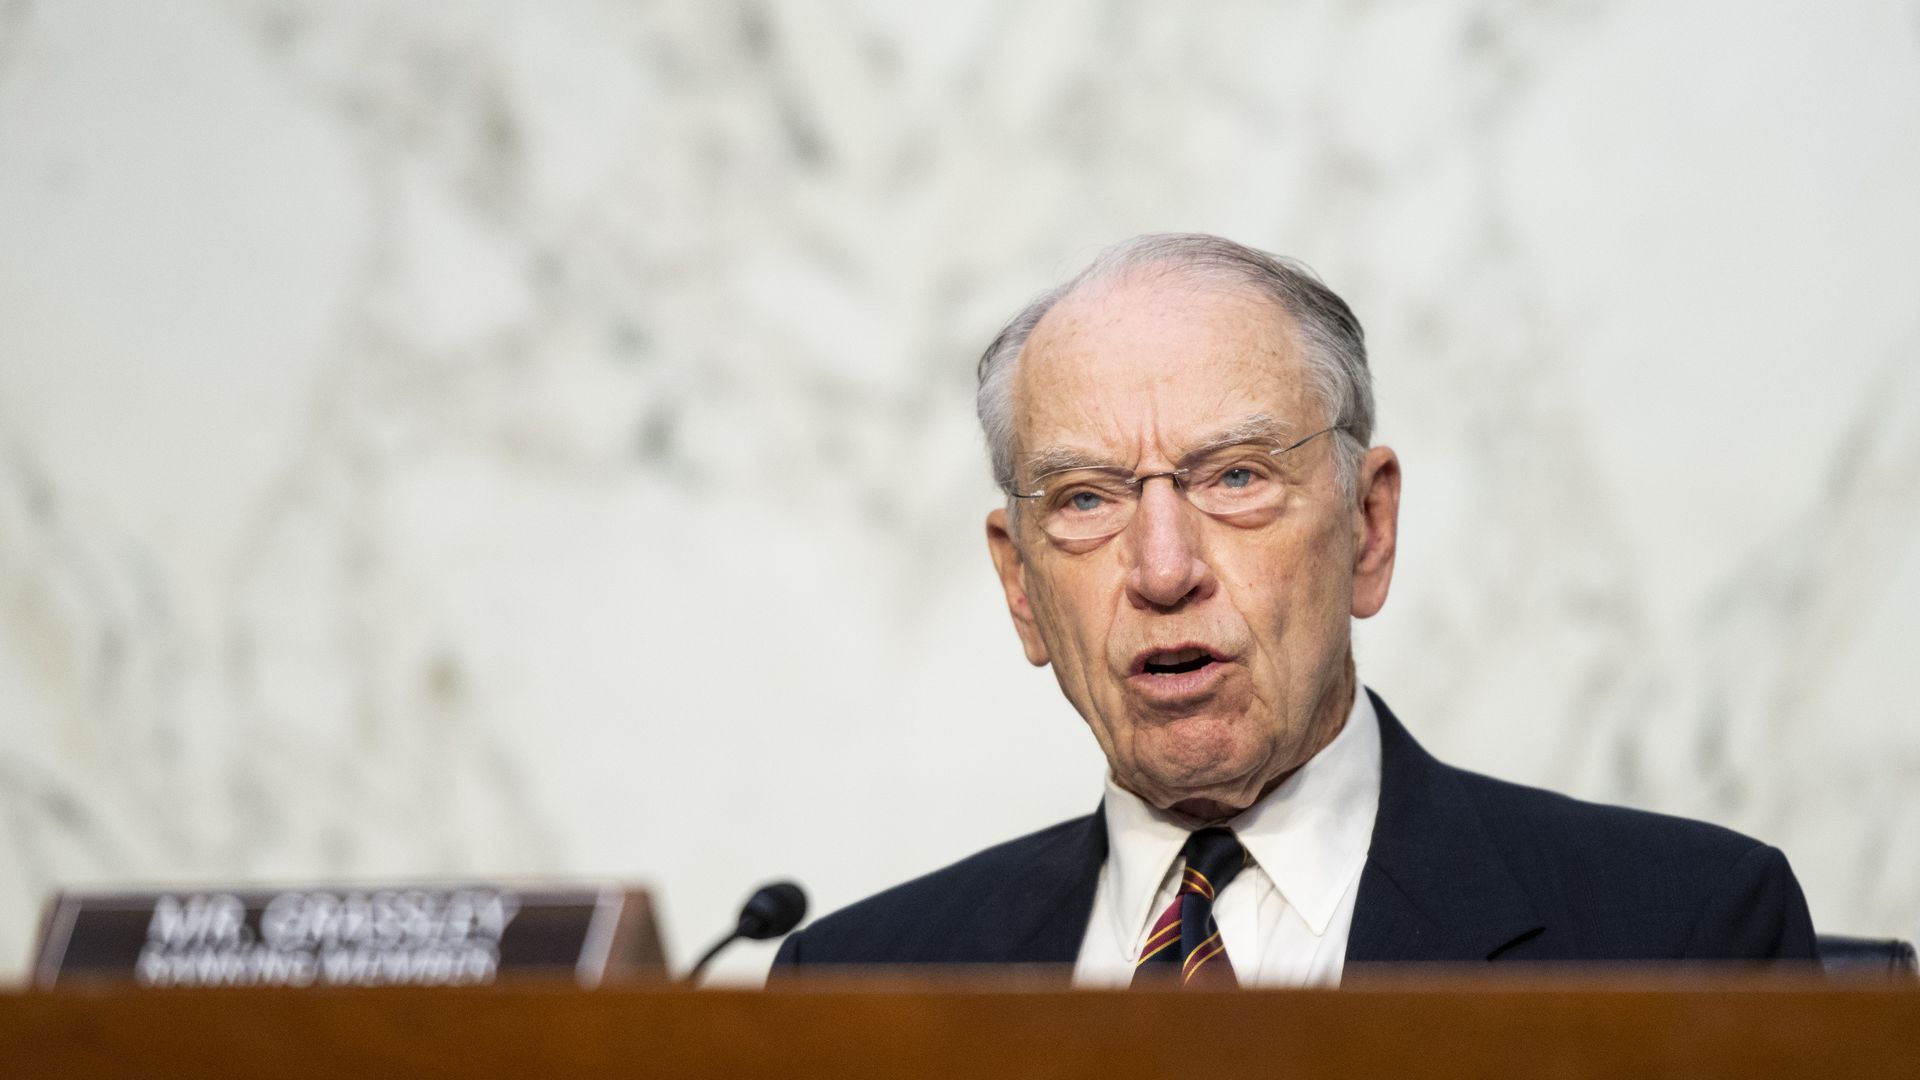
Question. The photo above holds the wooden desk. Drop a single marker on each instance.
(1749, 1026)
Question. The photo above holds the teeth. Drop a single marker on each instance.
(1177, 661)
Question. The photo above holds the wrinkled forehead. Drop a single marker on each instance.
(1141, 366)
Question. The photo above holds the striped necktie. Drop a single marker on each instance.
(1186, 933)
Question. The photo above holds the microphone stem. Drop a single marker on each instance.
(701, 964)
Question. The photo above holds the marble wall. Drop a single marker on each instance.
(535, 438)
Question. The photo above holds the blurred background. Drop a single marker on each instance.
(535, 439)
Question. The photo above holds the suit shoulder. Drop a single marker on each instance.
(1632, 884)
(1000, 862)
(1561, 818)
(891, 925)
(1637, 856)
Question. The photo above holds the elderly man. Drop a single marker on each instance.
(1194, 514)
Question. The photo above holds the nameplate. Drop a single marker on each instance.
(318, 936)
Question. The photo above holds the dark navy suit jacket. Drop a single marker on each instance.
(1461, 868)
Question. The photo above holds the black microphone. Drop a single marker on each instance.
(771, 911)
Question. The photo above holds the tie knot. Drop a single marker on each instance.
(1213, 856)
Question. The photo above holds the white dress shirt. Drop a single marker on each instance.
(1285, 917)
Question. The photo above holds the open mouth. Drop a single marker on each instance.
(1177, 661)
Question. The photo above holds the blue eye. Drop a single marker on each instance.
(1237, 478)
(1085, 501)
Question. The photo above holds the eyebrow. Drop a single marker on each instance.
(1255, 428)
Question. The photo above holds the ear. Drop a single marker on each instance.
(1012, 568)
(1377, 527)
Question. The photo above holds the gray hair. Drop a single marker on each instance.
(1331, 343)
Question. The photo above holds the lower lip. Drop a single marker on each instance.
(1185, 686)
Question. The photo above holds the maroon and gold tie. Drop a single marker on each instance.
(1186, 933)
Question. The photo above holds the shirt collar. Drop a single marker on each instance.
(1309, 835)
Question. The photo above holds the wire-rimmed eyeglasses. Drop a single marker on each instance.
(1092, 503)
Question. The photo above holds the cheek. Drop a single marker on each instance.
(1293, 597)
(1066, 609)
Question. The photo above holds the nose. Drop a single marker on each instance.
(1168, 566)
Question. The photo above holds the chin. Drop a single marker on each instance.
(1214, 769)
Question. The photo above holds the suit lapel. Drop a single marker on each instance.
(1041, 917)
(1434, 887)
